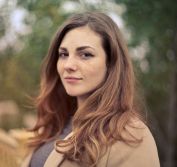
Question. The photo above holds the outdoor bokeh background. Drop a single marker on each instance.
(26, 29)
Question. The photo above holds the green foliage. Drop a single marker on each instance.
(156, 23)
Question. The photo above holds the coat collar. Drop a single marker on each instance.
(55, 158)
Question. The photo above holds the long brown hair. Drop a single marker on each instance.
(106, 112)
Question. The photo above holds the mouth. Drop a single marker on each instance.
(72, 79)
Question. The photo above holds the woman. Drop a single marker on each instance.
(87, 99)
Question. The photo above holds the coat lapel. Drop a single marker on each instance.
(27, 160)
(55, 158)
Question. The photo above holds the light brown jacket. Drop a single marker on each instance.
(118, 155)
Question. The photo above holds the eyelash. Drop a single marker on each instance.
(83, 55)
(86, 55)
(62, 54)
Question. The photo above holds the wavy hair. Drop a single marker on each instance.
(103, 117)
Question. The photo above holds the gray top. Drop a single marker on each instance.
(41, 154)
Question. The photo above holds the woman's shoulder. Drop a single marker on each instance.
(137, 129)
(130, 154)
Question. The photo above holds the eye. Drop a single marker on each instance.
(86, 55)
(62, 54)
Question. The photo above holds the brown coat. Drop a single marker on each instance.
(119, 154)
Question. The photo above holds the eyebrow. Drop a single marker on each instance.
(78, 49)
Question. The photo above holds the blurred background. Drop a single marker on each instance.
(26, 29)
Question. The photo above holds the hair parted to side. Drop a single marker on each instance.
(103, 117)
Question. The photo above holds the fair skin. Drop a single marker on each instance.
(82, 62)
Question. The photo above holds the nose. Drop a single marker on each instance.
(70, 64)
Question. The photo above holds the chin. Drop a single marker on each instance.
(76, 93)
(73, 94)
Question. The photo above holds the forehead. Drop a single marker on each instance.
(81, 36)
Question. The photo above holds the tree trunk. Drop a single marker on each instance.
(171, 122)
(171, 126)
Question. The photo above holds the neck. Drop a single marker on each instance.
(80, 101)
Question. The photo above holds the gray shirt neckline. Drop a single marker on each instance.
(41, 154)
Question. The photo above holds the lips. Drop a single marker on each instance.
(71, 79)
(76, 78)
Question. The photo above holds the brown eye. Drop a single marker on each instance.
(86, 55)
(62, 55)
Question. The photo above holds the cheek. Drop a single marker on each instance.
(98, 74)
(59, 68)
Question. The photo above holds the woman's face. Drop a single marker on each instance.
(82, 62)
